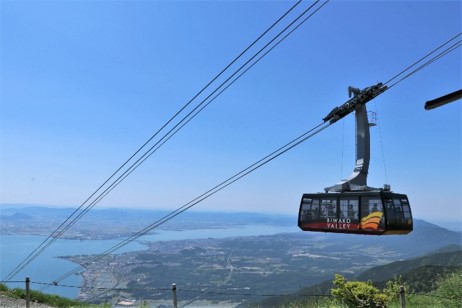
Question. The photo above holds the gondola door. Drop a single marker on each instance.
(349, 213)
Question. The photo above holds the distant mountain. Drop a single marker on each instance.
(35, 211)
(190, 218)
(111, 223)
(16, 217)
(122, 222)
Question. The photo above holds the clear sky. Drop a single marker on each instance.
(85, 83)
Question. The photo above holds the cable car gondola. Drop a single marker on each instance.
(351, 206)
(371, 212)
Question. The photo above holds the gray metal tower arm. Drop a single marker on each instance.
(357, 181)
(361, 97)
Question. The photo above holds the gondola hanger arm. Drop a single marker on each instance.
(361, 97)
(357, 181)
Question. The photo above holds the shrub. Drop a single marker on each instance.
(3, 288)
(449, 290)
(357, 293)
(393, 287)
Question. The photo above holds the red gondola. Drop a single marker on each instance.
(373, 212)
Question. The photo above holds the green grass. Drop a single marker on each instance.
(47, 299)
(426, 300)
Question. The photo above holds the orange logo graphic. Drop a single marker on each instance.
(371, 221)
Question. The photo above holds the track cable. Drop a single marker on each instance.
(74, 217)
(288, 146)
(240, 174)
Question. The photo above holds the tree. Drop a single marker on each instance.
(357, 293)
(450, 290)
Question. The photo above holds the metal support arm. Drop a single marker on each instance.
(361, 97)
(357, 181)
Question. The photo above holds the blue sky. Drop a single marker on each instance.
(85, 83)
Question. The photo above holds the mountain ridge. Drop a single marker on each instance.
(421, 275)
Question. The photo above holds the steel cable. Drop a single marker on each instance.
(205, 195)
(258, 164)
(57, 232)
(244, 172)
(423, 58)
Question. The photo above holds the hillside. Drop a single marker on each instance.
(386, 272)
(420, 274)
(422, 279)
(15, 298)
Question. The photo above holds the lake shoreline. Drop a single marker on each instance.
(54, 263)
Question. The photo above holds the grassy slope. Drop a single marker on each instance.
(42, 298)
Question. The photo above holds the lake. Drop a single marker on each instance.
(47, 267)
